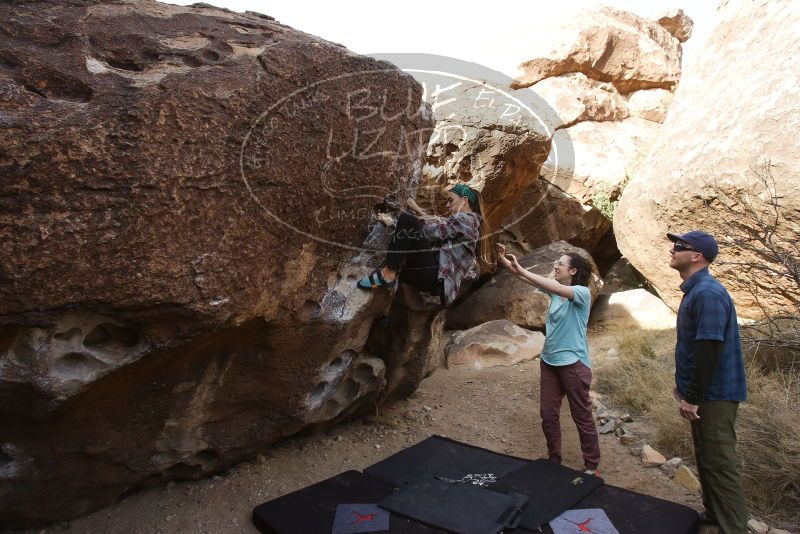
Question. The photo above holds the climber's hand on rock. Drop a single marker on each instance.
(385, 218)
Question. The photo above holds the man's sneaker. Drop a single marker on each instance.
(593, 472)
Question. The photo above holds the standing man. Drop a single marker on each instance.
(709, 378)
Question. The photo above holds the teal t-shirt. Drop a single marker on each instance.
(566, 325)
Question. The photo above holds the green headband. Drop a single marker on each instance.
(464, 191)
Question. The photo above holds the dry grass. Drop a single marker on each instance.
(769, 443)
(768, 426)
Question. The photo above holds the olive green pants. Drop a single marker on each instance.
(714, 437)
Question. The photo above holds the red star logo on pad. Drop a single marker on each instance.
(362, 518)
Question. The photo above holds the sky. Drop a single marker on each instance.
(492, 33)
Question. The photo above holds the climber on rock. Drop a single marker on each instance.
(436, 254)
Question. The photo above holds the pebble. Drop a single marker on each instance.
(607, 428)
(686, 478)
(670, 467)
(627, 438)
(651, 457)
(757, 526)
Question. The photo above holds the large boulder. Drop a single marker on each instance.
(408, 339)
(601, 135)
(723, 143)
(593, 160)
(493, 344)
(575, 196)
(650, 104)
(186, 203)
(507, 297)
(575, 98)
(608, 45)
(545, 214)
(486, 137)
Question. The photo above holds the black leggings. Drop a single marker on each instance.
(413, 255)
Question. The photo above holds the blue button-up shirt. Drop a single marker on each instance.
(707, 313)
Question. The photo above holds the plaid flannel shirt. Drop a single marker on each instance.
(458, 235)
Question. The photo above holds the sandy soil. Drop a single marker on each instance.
(495, 408)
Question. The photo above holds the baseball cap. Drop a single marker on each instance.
(701, 241)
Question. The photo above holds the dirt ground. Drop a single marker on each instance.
(496, 408)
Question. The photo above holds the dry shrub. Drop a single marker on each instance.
(642, 380)
(773, 344)
(768, 431)
(768, 426)
(639, 378)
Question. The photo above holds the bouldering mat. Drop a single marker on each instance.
(459, 507)
(551, 489)
(312, 510)
(444, 459)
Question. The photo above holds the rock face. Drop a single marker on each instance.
(486, 138)
(650, 104)
(186, 203)
(492, 344)
(575, 98)
(408, 340)
(725, 131)
(593, 158)
(678, 24)
(608, 83)
(588, 165)
(506, 297)
(609, 45)
(545, 214)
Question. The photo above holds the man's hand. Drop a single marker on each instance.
(688, 411)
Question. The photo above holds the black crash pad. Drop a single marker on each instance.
(632, 512)
(635, 513)
(462, 508)
(551, 488)
(442, 458)
(311, 510)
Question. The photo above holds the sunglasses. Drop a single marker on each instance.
(680, 247)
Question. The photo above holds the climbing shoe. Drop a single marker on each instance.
(375, 279)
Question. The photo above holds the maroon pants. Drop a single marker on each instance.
(573, 381)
